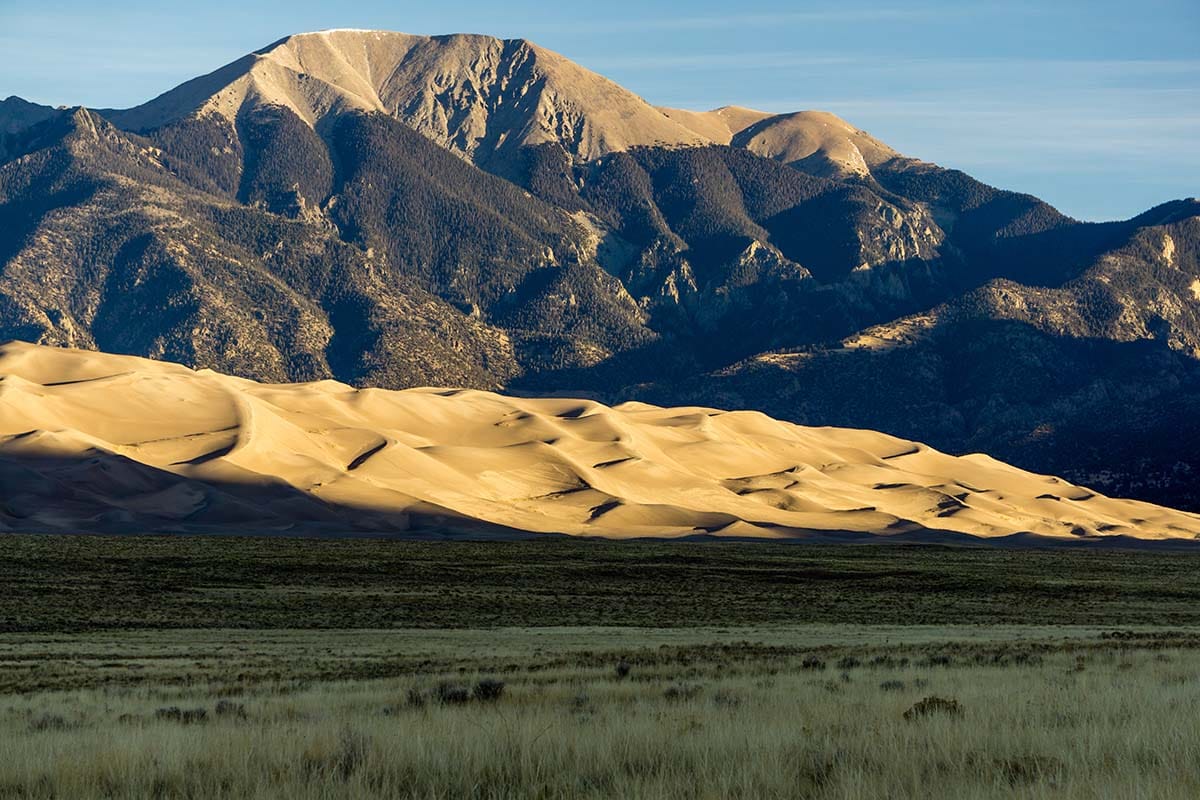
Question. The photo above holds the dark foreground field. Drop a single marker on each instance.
(272, 668)
(81, 583)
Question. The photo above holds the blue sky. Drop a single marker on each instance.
(1094, 106)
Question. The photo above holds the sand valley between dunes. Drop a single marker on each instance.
(90, 441)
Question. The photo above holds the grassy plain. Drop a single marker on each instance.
(274, 668)
(80, 583)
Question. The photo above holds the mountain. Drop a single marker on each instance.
(17, 114)
(1096, 378)
(140, 262)
(484, 98)
(477, 95)
(97, 442)
(815, 142)
(399, 211)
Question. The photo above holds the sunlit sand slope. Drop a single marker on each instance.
(90, 441)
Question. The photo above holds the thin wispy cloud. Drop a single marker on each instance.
(727, 21)
(717, 61)
(758, 59)
(749, 20)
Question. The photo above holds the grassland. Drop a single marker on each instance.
(276, 668)
(81, 583)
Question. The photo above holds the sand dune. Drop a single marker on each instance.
(90, 441)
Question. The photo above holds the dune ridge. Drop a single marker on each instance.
(91, 441)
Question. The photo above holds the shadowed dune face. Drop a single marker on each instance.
(96, 441)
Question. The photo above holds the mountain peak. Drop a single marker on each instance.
(485, 98)
(816, 142)
(328, 31)
(17, 113)
(473, 93)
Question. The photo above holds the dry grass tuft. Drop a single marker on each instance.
(227, 709)
(184, 716)
(49, 722)
(931, 706)
(682, 692)
(452, 694)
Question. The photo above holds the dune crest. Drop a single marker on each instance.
(90, 441)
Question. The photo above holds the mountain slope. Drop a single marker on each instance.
(116, 253)
(122, 443)
(1097, 379)
(17, 114)
(815, 142)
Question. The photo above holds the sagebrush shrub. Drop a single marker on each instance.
(488, 690)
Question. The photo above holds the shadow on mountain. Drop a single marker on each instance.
(1120, 417)
(719, 328)
(1053, 257)
(46, 182)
